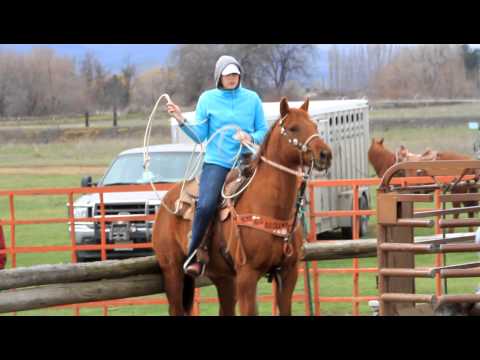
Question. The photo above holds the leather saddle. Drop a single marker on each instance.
(234, 181)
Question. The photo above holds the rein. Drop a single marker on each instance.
(283, 168)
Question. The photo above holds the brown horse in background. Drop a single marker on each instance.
(292, 142)
(381, 159)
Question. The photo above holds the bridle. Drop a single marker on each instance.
(302, 147)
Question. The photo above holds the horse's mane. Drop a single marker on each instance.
(256, 161)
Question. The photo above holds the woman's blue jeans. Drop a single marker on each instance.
(211, 182)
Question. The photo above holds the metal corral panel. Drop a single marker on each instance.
(344, 125)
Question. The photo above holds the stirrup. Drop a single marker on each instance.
(188, 261)
(196, 274)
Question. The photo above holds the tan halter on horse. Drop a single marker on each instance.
(265, 212)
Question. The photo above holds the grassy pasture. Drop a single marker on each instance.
(424, 112)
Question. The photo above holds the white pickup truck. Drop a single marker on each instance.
(167, 165)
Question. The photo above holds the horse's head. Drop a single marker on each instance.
(376, 146)
(380, 157)
(299, 138)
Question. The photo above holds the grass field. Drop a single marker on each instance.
(62, 165)
(452, 138)
(436, 111)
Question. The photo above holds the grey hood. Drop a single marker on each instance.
(222, 63)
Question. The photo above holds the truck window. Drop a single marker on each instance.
(165, 166)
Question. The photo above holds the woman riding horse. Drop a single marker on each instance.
(228, 104)
(259, 236)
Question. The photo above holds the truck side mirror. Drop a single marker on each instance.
(86, 181)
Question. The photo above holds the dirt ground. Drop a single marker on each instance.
(54, 170)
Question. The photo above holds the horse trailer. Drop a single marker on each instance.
(344, 125)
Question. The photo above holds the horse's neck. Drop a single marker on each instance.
(383, 160)
(272, 192)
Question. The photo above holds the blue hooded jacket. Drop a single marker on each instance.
(220, 107)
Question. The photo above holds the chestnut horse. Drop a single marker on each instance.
(292, 142)
(381, 159)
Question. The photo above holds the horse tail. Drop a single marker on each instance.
(188, 293)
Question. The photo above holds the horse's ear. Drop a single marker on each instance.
(381, 141)
(284, 108)
(305, 105)
(402, 147)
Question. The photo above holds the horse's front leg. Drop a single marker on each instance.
(226, 295)
(289, 277)
(246, 288)
(173, 279)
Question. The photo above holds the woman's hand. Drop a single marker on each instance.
(242, 136)
(175, 111)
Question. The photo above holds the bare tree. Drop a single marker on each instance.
(334, 69)
(87, 74)
(436, 71)
(7, 72)
(194, 65)
(267, 68)
(281, 62)
(128, 71)
(150, 84)
(101, 76)
(40, 82)
(353, 67)
(250, 57)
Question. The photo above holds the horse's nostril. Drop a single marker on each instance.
(324, 155)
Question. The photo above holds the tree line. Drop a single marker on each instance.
(405, 72)
(43, 83)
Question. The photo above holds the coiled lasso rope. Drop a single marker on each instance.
(189, 172)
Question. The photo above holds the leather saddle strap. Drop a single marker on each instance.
(234, 233)
(281, 228)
